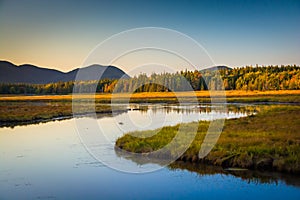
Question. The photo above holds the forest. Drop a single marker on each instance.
(260, 78)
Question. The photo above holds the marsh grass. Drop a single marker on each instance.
(269, 140)
(26, 112)
(171, 97)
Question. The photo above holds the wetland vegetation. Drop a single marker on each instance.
(268, 141)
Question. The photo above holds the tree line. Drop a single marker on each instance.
(244, 78)
(58, 87)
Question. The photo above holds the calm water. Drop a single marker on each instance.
(48, 161)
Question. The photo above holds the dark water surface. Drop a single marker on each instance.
(48, 161)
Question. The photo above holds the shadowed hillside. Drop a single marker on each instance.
(10, 73)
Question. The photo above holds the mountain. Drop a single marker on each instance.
(214, 68)
(10, 73)
(93, 72)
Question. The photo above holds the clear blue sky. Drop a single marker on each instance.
(60, 34)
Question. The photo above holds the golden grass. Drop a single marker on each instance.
(143, 95)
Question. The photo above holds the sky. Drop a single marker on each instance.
(61, 34)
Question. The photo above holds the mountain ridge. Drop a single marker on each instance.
(27, 73)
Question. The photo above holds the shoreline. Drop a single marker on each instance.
(13, 123)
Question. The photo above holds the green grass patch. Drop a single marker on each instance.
(269, 140)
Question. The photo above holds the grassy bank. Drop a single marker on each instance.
(269, 140)
(27, 112)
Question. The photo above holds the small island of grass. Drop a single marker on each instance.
(268, 141)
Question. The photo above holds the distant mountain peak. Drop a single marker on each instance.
(27, 73)
(214, 68)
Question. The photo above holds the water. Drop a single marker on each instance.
(48, 161)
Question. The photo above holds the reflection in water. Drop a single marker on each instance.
(251, 176)
(257, 177)
(239, 109)
(203, 108)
